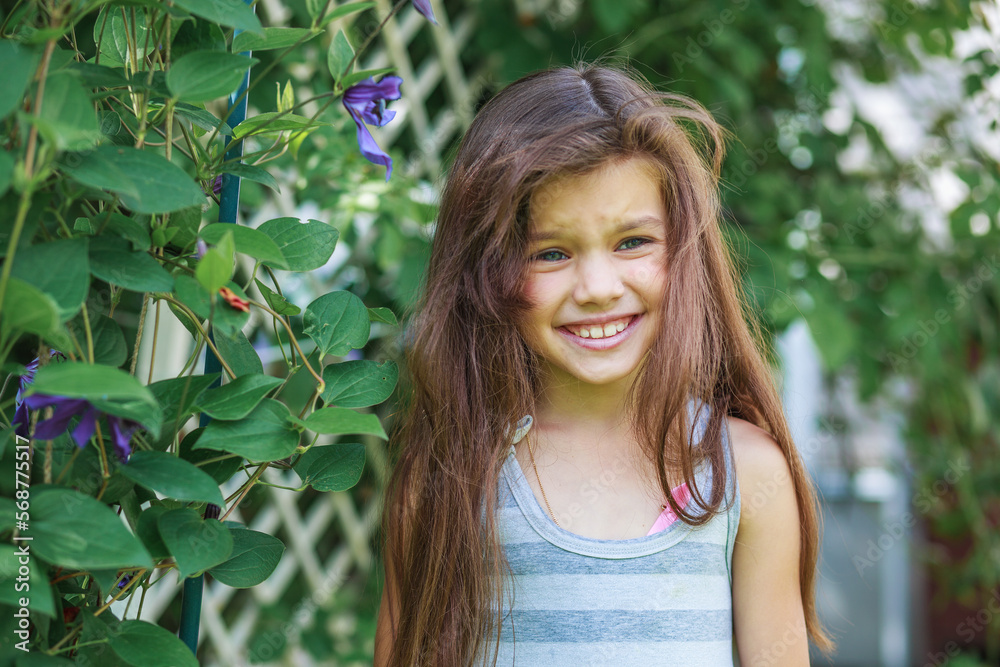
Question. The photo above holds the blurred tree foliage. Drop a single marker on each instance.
(889, 249)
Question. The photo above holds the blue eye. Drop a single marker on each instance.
(550, 256)
(631, 244)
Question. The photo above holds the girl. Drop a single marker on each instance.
(594, 464)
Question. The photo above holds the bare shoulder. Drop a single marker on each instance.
(761, 467)
(767, 599)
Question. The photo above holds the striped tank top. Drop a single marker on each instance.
(662, 599)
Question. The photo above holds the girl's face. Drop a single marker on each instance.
(597, 253)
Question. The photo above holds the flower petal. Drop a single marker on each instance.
(64, 409)
(368, 90)
(370, 149)
(121, 435)
(85, 429)
(21, 419)
(424, 7)
(234, 300)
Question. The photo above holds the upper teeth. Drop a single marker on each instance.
(600, 331)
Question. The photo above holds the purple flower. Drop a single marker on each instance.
(64, 409)
(365, 101)
(217, 184)
(424, 7)
(21, 420)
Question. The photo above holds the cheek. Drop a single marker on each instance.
(539, 291)
(649, 279)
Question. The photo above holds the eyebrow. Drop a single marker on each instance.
(622, 228)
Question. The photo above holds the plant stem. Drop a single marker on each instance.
(138, 576)
(215, 458)
(364, 46)
(152, 355)
(15, 236)
(89, 335)
(257, 78)
(194, 320)
(138, 334)
(43, 71)
(289, 488)
(105, 469)
(312, 400)
(69, 464)
(319, 379)
(245, 489)
(78, 645)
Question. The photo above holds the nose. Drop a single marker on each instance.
(598, 281)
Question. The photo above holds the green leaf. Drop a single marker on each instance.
(129, 228)
(332, 467)
(314, 7)
(40, 600)
(202, 118)
(337, 322)
(354, 77)
(71, 529)
(247, 240)
(251, 173)
(339, 55)
(221, 470)
(383, 315)
(254, 557)
(109, 389)
(27, 308)
(107, 337)
(186, 221)
(6, 168)
(120, 29)
(236, 399)
(58, 268)
(98, 76)
(201, 76)
(145, 181)
(105, 579)
(172, 477)
(239, 354)
(273, 121)
(149, 532)
(277, 302)
(113, 261)
(231, 13)
(67, 118)
(344, 10)
(177, 396)
(305, 246)
(38, 659)
(195, 543)
(339, 421)
(18, 64)
(359, 384)
(263, 435)
(213, 270)
(149, 645)
(273, 38)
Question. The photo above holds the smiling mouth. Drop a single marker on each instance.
(599, 331)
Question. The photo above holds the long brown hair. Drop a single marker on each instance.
(472, 376)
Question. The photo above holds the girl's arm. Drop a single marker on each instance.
(770, 626)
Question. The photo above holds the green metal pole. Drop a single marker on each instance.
(229, 204)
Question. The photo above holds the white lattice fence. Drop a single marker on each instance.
(330, 524)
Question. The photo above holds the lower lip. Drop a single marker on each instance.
(601, 343)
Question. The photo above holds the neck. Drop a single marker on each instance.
(580, 419)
